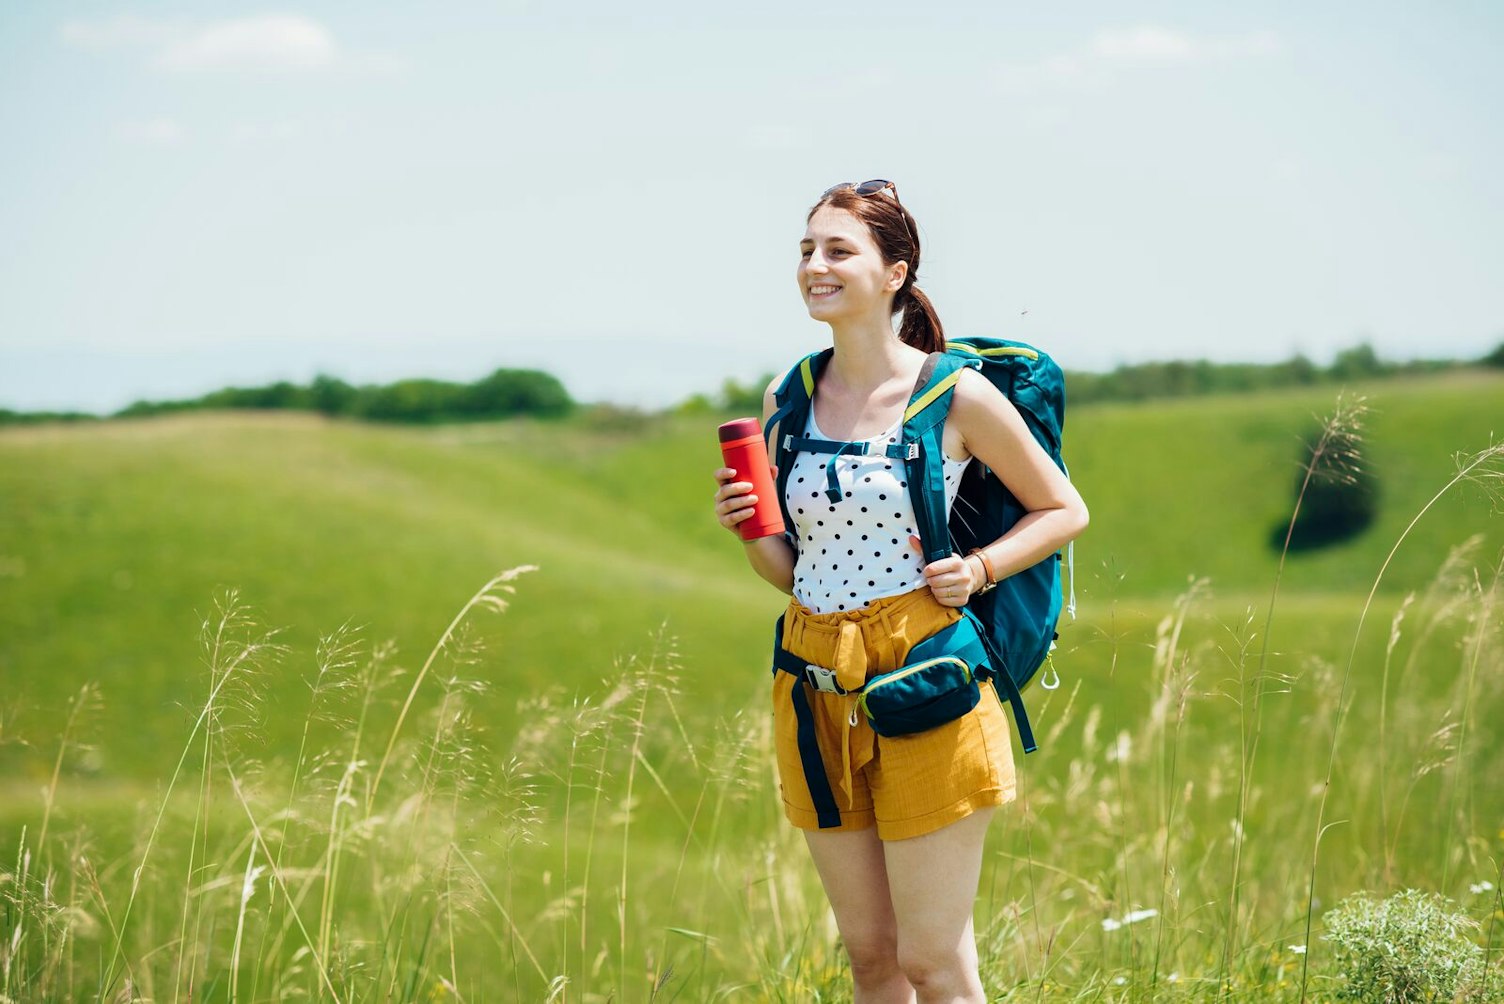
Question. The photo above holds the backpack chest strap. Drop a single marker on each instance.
(794, 444)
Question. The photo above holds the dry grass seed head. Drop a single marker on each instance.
(1485, 469)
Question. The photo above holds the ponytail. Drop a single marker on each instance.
(921, 325)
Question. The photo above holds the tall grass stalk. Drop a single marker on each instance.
(226, 662)
(489, 595)
(1333, 456)
(1484, 624)
(1482, 468)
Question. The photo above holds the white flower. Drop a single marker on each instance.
(1132, 917)
(1297, 949)
(1481, 887)
(1119, 980)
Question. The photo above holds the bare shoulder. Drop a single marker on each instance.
(976, 394)
(769, 398)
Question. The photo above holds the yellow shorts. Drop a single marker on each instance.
(908, 785)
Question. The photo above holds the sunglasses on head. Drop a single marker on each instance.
(872, 188)
(865, 188)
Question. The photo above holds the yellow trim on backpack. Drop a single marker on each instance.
(809, 378)
(1002, 350)
(928, 398)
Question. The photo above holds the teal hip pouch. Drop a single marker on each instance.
(937, 684)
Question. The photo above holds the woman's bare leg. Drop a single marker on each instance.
(855, 877)
(933, 884)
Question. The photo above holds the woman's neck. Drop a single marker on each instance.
(869, 355)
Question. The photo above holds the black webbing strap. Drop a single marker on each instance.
(826, 812)
(1001, 675)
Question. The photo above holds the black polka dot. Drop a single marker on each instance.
(801, 481)
(848, 495)
(882, 498)
(870, 582)
(903, 484)
(801, 512)
(819, 522)
(887, 569)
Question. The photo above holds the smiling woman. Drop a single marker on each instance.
(894, 801)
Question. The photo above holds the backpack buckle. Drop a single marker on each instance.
(911, 452)
(822, 679)
(788, 442)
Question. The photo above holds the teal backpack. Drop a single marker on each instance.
(1017, 619)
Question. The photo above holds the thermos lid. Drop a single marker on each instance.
(740, 428)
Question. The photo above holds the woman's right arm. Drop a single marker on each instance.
(771, 557)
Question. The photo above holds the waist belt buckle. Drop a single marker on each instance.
(822, 679)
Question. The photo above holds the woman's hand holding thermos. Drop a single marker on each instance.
(748, 506)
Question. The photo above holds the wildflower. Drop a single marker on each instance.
(1132, 917)
(1119, 980)
(1478, 888)
(1297, 949)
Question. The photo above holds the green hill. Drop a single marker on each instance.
(117, 536)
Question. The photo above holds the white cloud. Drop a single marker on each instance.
(261, 43)
(159, 131)
(265, 42)
(1120, 50)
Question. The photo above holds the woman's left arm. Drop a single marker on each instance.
(994, 432)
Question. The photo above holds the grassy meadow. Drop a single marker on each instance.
(300, 708)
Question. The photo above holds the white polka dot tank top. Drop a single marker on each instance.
(856, 550)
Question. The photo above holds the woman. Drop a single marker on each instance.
(901, 868)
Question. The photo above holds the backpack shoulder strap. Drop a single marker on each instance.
(923, 448)
(792, 400)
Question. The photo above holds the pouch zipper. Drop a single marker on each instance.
(908, 671)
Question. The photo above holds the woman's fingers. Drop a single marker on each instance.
(733, 499)
(948, 578)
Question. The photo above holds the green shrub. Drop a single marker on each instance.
(1410, 947)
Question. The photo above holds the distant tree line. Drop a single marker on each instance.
(530, 392)
(503, 394)
(1176, 378)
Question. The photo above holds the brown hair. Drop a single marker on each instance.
(897, 237)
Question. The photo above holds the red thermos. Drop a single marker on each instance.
(745, 452)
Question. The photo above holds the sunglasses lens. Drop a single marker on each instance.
(872, 187)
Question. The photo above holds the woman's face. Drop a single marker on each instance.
(841, 272)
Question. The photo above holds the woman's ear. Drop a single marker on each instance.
(898, 275)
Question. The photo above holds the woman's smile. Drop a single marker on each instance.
(823, 291)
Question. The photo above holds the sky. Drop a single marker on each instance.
(197, 195)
